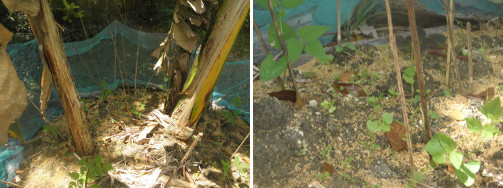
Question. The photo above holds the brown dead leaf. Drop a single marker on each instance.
(345, 89)
(286, 95)
(347, 76)
(487, 94)
(394, 136)
(328, 168)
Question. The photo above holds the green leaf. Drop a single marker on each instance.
(456, 159)
(439, 158)
(373, 126)
(83, 169)
(107, 167)
(387, 117)
(339, 49)
(473, 125)
(447, 143)
(492, 109)
(466, 172)
(440, 144)
(489, 131)
(74, 175)
(393, 92)
(288, 4)
(311, 33)
(351, 46)
(295, 48)
(315, 48)
(286, 33)
(98, 159)
(95, 186)
(270, 69)
(433, 114)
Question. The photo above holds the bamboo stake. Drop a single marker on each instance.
(470, 57)
(339, 22)
(298, 101)
(392, 43)
(419, 67)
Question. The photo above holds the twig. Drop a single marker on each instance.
(192, 146)
(392, 42)
(259, 35)
(419, 67)
(285, 52)
(137, 54)
(470, 58)
(11, 184)
(240, 145)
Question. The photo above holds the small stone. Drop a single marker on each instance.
(313, 103)
(457, 115)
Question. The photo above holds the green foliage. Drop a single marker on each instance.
(105, 92)
(441, 146)
(89, 171)
(365, 12)
(491, 110)
(433, 114)
(70, 11)
(135, 112)
(84, 106)
(302, 152)
(447, 93)
(328, 105)
(408, 74)
(417, 177)
(326, 151)
(51, 129)
(382, 124)
(346, 163)
(304, 39)
(241, 166)
(225, 167)
(323, 175)
(393, 92)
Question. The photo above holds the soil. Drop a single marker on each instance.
(115, 130)
(291, 145)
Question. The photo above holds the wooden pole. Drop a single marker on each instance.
(54, 57)
(419, 67)
(298, 101)
(392, 43)
(470, 57)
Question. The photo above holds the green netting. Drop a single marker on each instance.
(110, 58)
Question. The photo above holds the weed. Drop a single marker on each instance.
(433, 115)
(241, 166)
(447, 93)
(89, 171)
(346, 177)
(51, 129)
(105, 92)
(346, 163)
(393, 92)
(302, 152)
(323, 175)
(84, 106)
(328, 105)
(71, 10)
(326, 151)
(441, 146)
(225, 167)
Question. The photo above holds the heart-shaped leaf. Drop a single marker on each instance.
(286, 33)
(312, 32)
(295, 48)
(456, 159)
(473, 125)
(492, 109)
(270, 69)
(315, 48)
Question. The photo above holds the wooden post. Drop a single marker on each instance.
(419, 67)
(394, 50)
(339, 22)
(54, 57)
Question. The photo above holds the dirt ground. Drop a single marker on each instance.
(291, 145)
(115, 131)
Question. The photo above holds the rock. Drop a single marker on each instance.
(457, 115)
(313, 103)
(381, 169)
